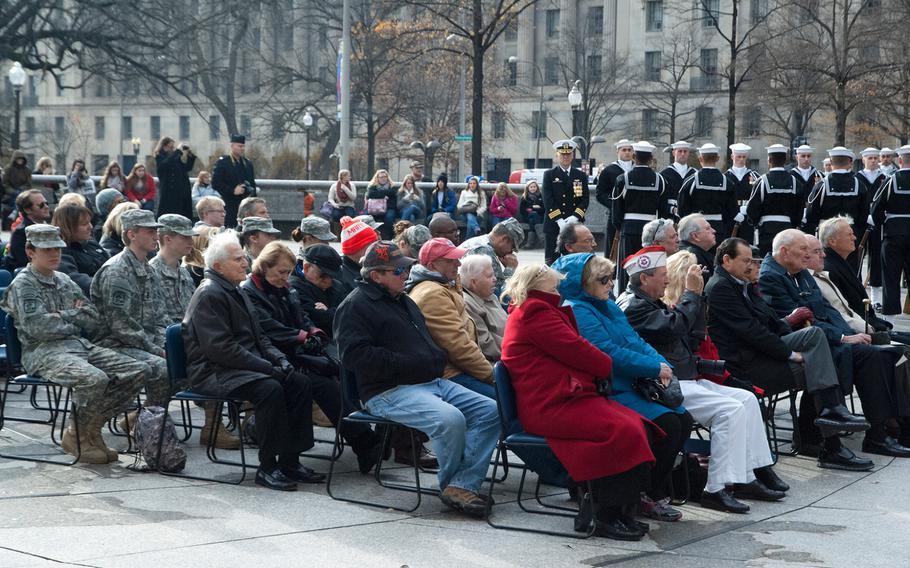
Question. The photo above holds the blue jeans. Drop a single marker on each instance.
(476, 385)
(388, 223)
(410, 213)
(498, 220)
(533, 219)
(473, 224)
(340, 212)
(463, 426)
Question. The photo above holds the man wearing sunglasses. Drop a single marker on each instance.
(385, 342)
(33, 207)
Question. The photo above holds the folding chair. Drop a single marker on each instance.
(58, 399)
(772, 427)
(349, 390)
(508, 416)
(176, 370)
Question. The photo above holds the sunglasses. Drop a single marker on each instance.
(396, 271)
(605, 279)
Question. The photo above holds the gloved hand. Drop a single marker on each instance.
(870, 222)
(313, 345)
(561, 223)
(743, 208)
(800, 316)
(572, 219)
(739, 217)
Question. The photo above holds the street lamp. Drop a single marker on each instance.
(575, 99)
(428, 150)
(586, 146)
(537, 128)
(136, 142)
(307, 123)
(17, 78)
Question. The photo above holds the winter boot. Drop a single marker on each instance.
(85, 449)
(224, 440)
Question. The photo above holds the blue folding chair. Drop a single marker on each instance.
(508, 419)
(177, 373)
(350, 392)
(58, 399)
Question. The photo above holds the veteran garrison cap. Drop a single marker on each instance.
(43, 236)
(173, 223)
(139, 218)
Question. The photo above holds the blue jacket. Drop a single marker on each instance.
(449, 202)
(603, 324)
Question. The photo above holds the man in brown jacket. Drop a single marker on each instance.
(435, 289)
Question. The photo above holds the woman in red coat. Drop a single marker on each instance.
(554, 371)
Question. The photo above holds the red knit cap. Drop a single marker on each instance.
(356, 235)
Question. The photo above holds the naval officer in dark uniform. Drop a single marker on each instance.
(606, 181)
(776, 203)
(708, 192)
(741, 177)
(233, 179)
(871, 178)
(565, 196)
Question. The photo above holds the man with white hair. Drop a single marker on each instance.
(228, 355)
(786, 284)
(606, 181)
(776, 203)
(891, 212)
(709, 193)
(676, 173)
(741, 177)
(697, 236)
(662, 233)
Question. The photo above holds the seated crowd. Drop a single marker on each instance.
(418, 319)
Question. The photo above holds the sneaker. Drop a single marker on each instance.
(465, 501)
(659, 510)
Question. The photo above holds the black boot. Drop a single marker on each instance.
(768, 476)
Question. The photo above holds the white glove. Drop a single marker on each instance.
(869, 221)
(739, 217)
(560, 223)
(572, 219)
(743, 207)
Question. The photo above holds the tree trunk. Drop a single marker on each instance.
(840, 115)
(371, 137)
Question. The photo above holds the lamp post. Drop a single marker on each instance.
(307, 123)
(586, 145)
(428, 150)
(17, 78)
(575, 99)
(137, 143)
(537, 128)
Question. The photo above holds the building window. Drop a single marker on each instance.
(126, 125)
(214, 127)
(652, 65)
(871, 53)
(551, 71)
(704, 121)
(246, 125)
(538, 124)
(708, 65)
(185, 128)
(155, 127)
(710, 13)
(649, 123)
(277, 126)
(499, 125)
(59, 127)
(753, 122)
(595, 23)
(511, 73)
(29, 127)
(654, 15)
(758, 10)
(511, 33)
(99, 128)
(552, 24)
(102, 87)
(594, 68)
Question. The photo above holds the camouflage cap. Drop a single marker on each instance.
(317, 227)
(369, 220)
(516, 233)
(138, 218)
(173, 223)
(44, 236)
(253, 224)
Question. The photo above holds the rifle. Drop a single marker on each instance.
(614, 248)
(861, 252)
(735, 230)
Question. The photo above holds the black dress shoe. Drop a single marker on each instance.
(844, 459)
(368, 457)
(302, 474)
(756, 491)
(275, 479)
(617, 530)
(635, 524)
(769, 477)
(723, 501)
(887, 447)
(839, 419)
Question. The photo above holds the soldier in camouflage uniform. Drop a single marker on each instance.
(132, 315)
(500, 245)
(52, 315)
(175, 240)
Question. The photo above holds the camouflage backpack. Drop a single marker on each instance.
(148, 430)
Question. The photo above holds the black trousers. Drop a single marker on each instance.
(677, 428)
(549, 251)
(895, 258)
(611, 494)
(874, 246)
(284, 418)
(875, 382)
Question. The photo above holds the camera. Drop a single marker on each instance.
(710, 367)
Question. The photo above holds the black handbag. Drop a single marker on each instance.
(670, 396)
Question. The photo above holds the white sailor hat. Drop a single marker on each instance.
(645, 259)
(564, 146)
(776, 149)
(886, 152)
(708, 149)
(680, 145)
(841, 151)
(805, 149)
(740, 148)
(903, 150)
(624, 143)
(870, 151)
(643, 146)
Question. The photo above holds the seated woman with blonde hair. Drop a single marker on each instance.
(557, 376)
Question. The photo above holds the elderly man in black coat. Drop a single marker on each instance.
(228, 355)
(786, 284)
(762, 347)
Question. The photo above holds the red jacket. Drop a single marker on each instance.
(553, 371)
(148, 195)
(509, 206)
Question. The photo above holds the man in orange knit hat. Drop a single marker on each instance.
(356, 236)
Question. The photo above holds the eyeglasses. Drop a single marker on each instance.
(605, 279)
(42, 205)
(396, 271)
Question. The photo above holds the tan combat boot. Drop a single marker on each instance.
(224, 440)
(94, 430)
(127, 422)
(86, 451)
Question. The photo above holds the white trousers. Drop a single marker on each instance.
(738, 441)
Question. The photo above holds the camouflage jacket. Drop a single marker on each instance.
(175, 286)
(481, 245)
(125, 290)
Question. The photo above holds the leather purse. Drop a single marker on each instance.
(670, 396)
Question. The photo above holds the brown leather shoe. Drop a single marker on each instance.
(425, 458)
(464, 501)
(319, 417)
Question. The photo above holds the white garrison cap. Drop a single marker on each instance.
(708, 149)
(740, 148)
(624, 143)
(776, 149)
(680, 144)
(870, 151)
(643, 146)
(805, 149)
(841, 151)
(903, 150)
(645, 259)
(886, 152)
